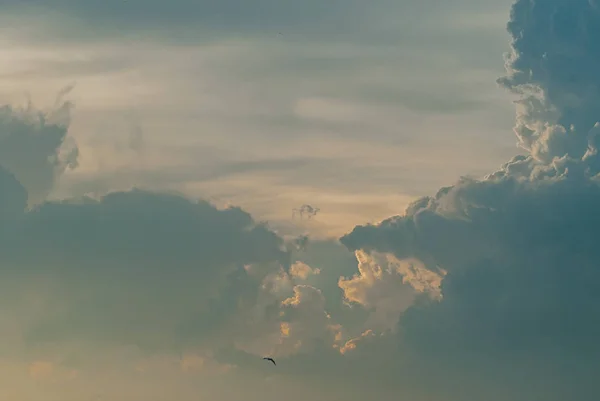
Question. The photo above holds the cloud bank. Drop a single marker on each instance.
(517, 252)
(486, 290)
(154, 270)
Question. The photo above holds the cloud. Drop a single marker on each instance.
(486, 290)
(13, 198)
(516, 249)
(35, 146)
(552, 64)
(306, 324)
(302, 270)
(154, 270)
(137, 267)
(246, 92)
(387, 287)
(290, 315)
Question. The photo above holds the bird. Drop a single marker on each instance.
(270, 359)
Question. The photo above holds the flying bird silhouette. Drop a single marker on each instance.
(270, 359)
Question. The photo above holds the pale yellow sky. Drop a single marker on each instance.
(356, 130)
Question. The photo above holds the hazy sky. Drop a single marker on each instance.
(266, 104)
(227, 115)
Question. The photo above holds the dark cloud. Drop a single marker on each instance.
(514, 317)
(518, 249)
(13, 198)
(152, 269)
(34, 145)
(553, 65)
(134, 267)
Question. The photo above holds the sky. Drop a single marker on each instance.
(154, 157)
(268, 104)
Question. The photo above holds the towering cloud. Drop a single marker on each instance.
(520, 294)
(487, 290)
(553, 65)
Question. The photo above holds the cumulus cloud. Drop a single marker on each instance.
(157, 272)
(387, 287)
(154, 270)
(486, 290)
(353, 343)
(516, 250)
(306, 324)
(302, 271)
(35, 146)
(553, 64)
(135, 267)
(289, 316)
